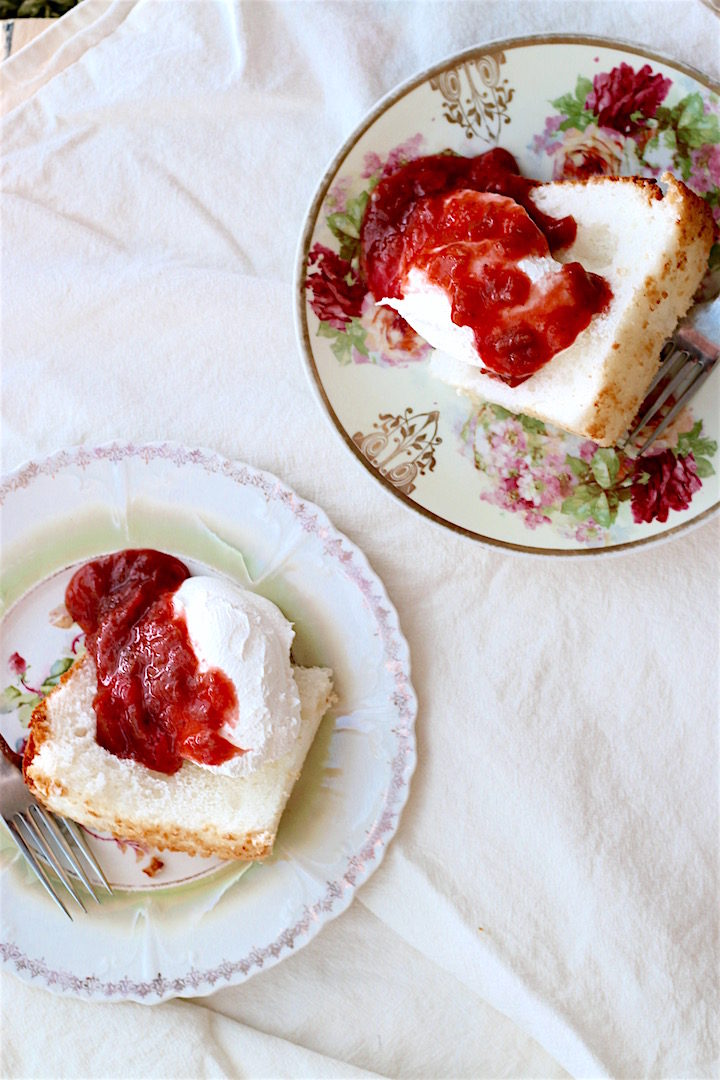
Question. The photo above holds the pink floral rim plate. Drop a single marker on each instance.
(177, 925)
(565, 107)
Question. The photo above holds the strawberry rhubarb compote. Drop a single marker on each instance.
(188, 668)
(461, 238)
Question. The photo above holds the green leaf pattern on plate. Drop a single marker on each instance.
(550, 477)
(21, 697)
(621, 121)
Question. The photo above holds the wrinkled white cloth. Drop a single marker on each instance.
(549, 904)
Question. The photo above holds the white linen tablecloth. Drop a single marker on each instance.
(549, 904)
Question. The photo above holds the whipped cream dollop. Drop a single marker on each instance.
(248, 638)
(427, 307)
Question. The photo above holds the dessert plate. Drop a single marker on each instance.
(504, 479)
(177, 925)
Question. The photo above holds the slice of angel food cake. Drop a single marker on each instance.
(550, 299)
(185, 725)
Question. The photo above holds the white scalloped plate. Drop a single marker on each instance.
(497, 478)
(201, 924)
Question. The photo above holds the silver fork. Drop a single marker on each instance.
(686, 362)
(54, 838)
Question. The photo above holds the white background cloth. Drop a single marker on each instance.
(159, 158)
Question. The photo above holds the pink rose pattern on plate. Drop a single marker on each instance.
(548, 476)
(620, 122)
(359, 331)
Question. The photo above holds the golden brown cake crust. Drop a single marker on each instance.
(623, 395)
(648, 188)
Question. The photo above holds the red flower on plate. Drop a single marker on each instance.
(662, 482)
(337, 295)
(18, 666)
(619, 95)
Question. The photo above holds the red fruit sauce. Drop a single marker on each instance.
(466, 223)
(153, 704)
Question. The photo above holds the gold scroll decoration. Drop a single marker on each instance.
(401, 447)
(475, 97)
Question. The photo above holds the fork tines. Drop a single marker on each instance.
(682, 372)
(60, 842)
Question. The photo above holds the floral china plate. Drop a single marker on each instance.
(566, 108)
(178, 925)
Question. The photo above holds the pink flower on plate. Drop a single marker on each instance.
(549, 140)
(373, 164)
(587, 450)
(554, 459)
(592, 152)
(511, 494)
(337, 295)
(553, 489)
(527, 489)
(338, 195)
(389, 337)
(619, 95)
(17, 664)
(407, 151)
(508, 441)
(705, 172)
(589, 532)
(663, 482)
